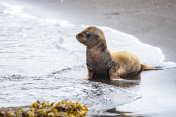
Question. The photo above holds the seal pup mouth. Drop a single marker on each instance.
(82, 38)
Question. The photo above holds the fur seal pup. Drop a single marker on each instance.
(101, 63)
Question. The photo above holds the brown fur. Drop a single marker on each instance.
(101, 63)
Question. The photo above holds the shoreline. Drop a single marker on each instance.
(158, 87)
(150, 22)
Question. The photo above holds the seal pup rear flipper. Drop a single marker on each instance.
(146, 67)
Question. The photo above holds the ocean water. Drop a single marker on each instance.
(40, 59)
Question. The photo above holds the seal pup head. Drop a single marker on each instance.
(92, 37)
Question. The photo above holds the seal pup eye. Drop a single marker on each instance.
(88, 34)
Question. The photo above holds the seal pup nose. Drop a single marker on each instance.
(79, 35)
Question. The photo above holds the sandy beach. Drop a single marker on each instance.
(151, 21)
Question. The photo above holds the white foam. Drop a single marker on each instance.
(39, 44)
(148, 54)
(132, 40)
(17, 10)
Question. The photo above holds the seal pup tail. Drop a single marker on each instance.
(146, 67)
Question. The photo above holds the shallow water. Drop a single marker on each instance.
(40, 59)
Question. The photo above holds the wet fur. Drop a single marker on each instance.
(101, 63)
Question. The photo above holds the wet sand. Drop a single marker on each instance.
(152, 22)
